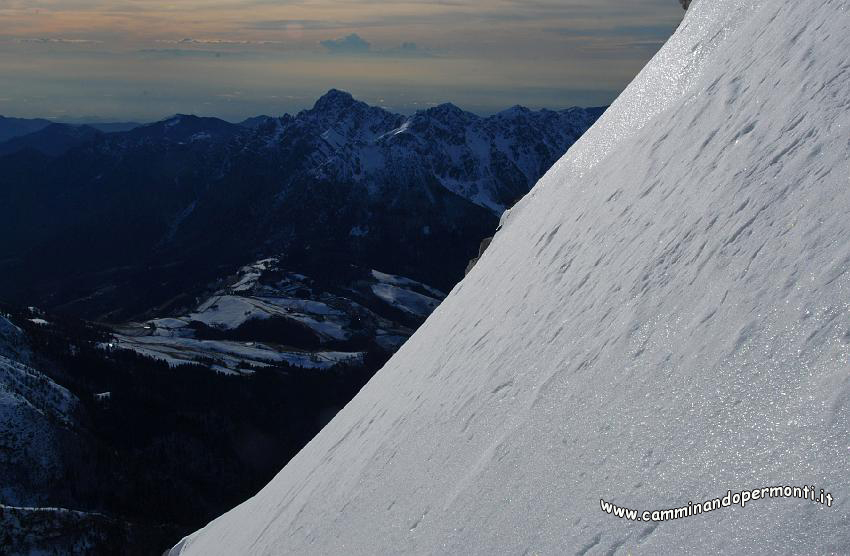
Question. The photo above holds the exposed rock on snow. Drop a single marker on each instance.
(485, 243)
(662, 319)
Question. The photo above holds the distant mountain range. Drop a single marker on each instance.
(16, 127)
(52, 140)
(117, 225)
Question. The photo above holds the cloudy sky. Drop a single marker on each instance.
(146, 59)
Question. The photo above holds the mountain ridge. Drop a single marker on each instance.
(188, 199)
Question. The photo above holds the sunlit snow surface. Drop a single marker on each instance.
(665, 318)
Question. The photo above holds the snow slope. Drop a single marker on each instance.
(34, 413)
(324, 326)
(664, 318)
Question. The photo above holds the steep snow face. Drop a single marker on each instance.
(666, 317)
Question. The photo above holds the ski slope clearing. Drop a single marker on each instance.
(305, 325)
(664, 318)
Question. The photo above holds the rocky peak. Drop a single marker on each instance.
(334, 100)
(339, 112)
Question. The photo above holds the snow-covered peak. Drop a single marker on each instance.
(662, 321)
(489, 161)
(342, 119)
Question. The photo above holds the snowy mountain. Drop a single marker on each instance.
(264, 315)
(490, 161)
(662, 320)
(155, 213)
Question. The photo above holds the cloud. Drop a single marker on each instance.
(56, 41)
(225, 42)
(356, 45)
(181, 53)
(352, 44)
(305, 24)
